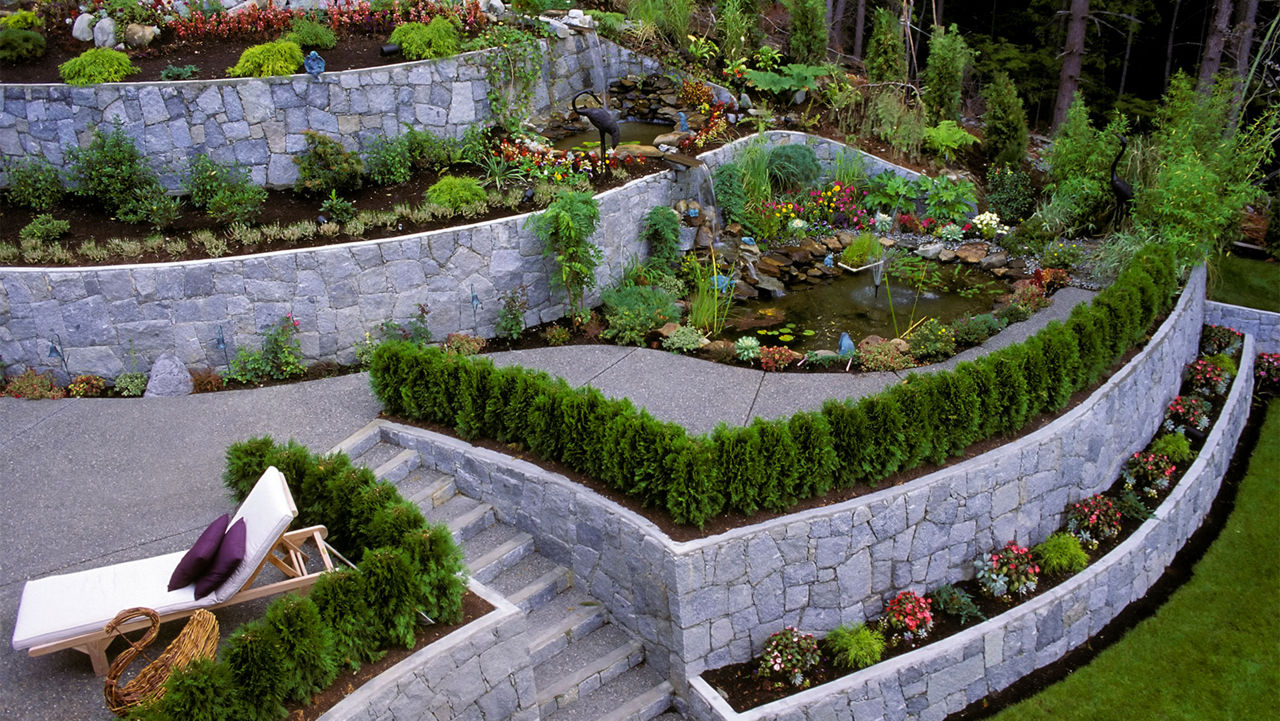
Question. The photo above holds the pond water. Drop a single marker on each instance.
(642, 133)
(851, 304)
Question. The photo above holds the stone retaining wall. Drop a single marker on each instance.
(258, 122)
(1264, 326)
(713, 601)
(945, 677)
(481, 671)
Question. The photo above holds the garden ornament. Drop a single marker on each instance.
(684, 121)
(313, 64)
(601, 118)
(1122, 190)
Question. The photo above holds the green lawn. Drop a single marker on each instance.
(1213, 650)
(1240, 281)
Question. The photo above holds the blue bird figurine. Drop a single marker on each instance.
(313, 64)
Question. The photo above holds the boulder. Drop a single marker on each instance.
(704, 237)
(972, 253)
(901, 345)
(82, 29)
(772, 286)
(104, 33)
(169, 378)
(667, 330)
(870, 341)
(639, 151)
(930, 252)
(994, 261)
(947, 256)
(672, 139)
(721, 350)
(140, 36)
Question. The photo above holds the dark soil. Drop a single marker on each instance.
(348, 681)
(744, 689)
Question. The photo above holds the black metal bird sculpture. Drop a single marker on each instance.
(1122, 190)
(601, 118)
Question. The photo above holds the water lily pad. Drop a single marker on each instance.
(786, 338)
(808, 332)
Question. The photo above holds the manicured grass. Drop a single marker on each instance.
(1213, 650)
(1239, 281)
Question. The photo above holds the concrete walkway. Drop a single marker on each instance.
(90, 482)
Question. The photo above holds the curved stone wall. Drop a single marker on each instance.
(1263, 325)
(259, 122)
(710, 602)
(945, 677)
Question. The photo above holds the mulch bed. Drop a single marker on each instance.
(348, 681)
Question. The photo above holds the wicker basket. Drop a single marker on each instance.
(198, 639)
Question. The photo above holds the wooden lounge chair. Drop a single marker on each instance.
(70, 610)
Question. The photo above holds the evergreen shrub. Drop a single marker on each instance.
(19, 46)
(282, 57)
(310, 34)
(437, 39)
(1004, 139)
(326, 166)
(97, 65)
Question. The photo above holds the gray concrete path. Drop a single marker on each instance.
(90, 482)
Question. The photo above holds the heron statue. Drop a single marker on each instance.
(600, 118)
(1119, 187)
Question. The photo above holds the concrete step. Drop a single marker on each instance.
(669, 716)
(398, 467)
(495, 549)
(427, 488)
(569, 616)
(638, 694)
(360, 441)
(532, 581)
(583, 666)
(464, 516)
(377, 454)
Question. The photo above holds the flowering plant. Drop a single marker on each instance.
(1006, 571)
(1187, 412)
(776, 357)
(1220, 339)
(86, 386)
(789, 654)
(908, 617)
(1147, 473)
(1093, 519)
(1206, 378)
(989, 226)
(1266, 374)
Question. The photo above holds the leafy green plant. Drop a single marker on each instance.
(255, 659)
(311, 34)
(1009, 570)
(131, 385)
(32, 385)
(111, 171)
(565, 229)
(279, 359)
(788, 655)
(179, 72)
(86, 386)
(1093, 520)
(946, 139)
(389, 161)
(456, 193)
(632, 311)
(609, 23)
(1004, 140)
(44, 228)
(22, 20)
(556, 335)
(955, 602)
(793, 77)
(855, 646)
(1061, 255)
(225, 192)
(97, 65)
(792, 166)
(884, 357)
(896, 118)
(948, 199)
(512, 63)
(339, 210)
(1060, 554)
(340, 598)
(326, 166)
(685, 339)
(511, 315)
(972, 330)
(1010, 193)
(463, 344)
(908, 617)
(20, 46)
(282, 57)
(662, 233)
(34, 182)
(943, 76)
(746, 348)
(808, 38)
(307, 643)
(437, 39)
(206, 690)
(886, 53)
(890, 192)
(734, 27)
(931, 341)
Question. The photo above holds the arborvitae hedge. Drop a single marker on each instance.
(405, 566)
(773, 464)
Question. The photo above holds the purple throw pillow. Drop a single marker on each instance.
(196, 562)
(230, 553)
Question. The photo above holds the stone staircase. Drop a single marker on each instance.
(585, 667)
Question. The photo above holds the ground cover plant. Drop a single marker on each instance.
(405, 566)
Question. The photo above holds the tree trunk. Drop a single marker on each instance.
(859, 19)
(1168, 53)
(1213, 45)
(837, 25)
(1128, 45)
(1246, 26)
(1072, 57)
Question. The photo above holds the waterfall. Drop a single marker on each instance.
(596, 71)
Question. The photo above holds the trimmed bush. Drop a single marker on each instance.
(225, 192)
(340, 599)
(456, 193)
(19, 46)
(282, 57)
(206, 690)
(326, 166)
(1004, 139)
(307, 643)
(97, 65)
(256, 662)
(35, 183)
(310, 34)
(437, 39)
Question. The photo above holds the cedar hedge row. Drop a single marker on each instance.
(296, 650)
(773, 464)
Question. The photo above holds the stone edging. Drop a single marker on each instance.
(1263, 325)
(945, 677)
(481, 669)
(713, 601)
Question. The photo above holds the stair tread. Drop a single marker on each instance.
(455, 507)
(552, 675)
(380, 453)
(528, 570)
(624, 697)
(560, 608)
(421, 481)
(489, 539)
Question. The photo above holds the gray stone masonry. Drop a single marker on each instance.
(258, 123)
(713, 601)
(1264, 326)
(481, 672)
(945, 677)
